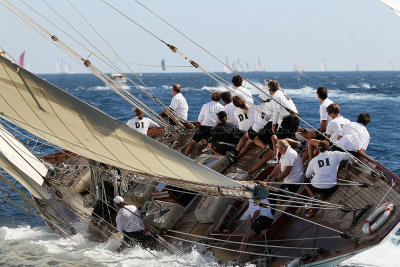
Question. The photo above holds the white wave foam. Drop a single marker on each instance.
(335, 94)
(386, 254)
(37, 246)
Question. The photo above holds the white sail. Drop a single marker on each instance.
(394, 5)
(19, 162)
(54, 115)
(260, 66)
(239, 66)
(226, 67)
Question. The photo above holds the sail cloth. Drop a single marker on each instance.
(19, 162)
(62, 119)
(393, 4)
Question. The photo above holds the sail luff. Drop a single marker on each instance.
(394, 5)
(54, 115)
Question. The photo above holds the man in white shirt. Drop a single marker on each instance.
(290, 170)
(129, 221)
(229, 108)
(261, 132)
(324, 118)
(354, 136)
(241, 91)
(335, 126)
(208, 119)
(324, 169)
(284, 119)
(178, 104)
(261, 217)
(140, 123)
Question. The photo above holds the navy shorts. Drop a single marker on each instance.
(261, 223)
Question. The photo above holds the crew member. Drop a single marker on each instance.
(284, 119)
(208, 119)
(229, 108)
(223, 137)
(178, 104)
(129, 221)
(261, 217)
(140, 123)
(354, 136)
(239, 90)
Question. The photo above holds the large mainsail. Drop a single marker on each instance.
(394, 5)
(58, 117)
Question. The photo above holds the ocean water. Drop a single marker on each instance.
(27, 241)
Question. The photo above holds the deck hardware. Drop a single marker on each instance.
(357, 217)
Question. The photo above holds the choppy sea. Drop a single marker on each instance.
(26, 241)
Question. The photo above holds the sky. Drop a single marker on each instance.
(282, 33)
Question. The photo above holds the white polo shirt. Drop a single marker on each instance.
(230, 114)
(141, 125)
(129, 219)
(245, 121)
(354, 137)
(208, 113)
(335, 126)
(263, 211)
(292, 158)
(179, 105)
(323, 114)
(244, 93)
(279, 102)
(263, 114)
(324, 167)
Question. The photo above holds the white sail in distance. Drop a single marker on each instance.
(393, 4)
(58, 117)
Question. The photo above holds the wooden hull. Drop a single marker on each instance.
(318, 241)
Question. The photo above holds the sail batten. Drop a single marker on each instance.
(58, 117)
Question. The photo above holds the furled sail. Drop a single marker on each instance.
(394, 5)
(58, 117)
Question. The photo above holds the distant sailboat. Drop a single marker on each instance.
(390, 66)
(299, 69)
(357, 68)
(163, 64)
(21, 59)
(63, 66)
(239, 66)
(226, 67)
(323, 64)
(260, 67)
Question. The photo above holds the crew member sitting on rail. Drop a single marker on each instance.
(141, 124)
(324, 118)
(290, 170)
(324, 169)
(129, 221)
(245, 116)
(178, 104)
(261, 218)
(332, 132)
(223, 137)
(261, 132)
(208, 119)
(354, 136)
(239, 90)
(229, 108)
(284, 120)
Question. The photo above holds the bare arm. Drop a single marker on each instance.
(323, 125)
(285, 173)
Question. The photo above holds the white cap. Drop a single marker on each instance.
(264, 97)
(118, 200)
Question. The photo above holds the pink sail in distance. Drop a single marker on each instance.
(21, 59)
